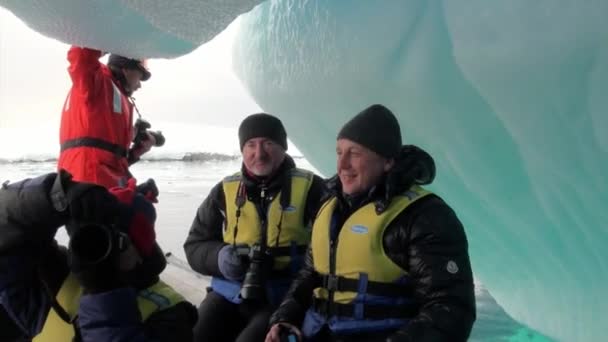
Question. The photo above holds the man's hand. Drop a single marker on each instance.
(144, 146)
(280, 333)
(149, 190)
(231, 263)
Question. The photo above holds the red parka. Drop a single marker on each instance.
(96, 123)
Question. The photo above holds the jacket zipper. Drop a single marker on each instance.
(263, 212)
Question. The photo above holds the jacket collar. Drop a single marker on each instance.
(271, 183)
(117, 79)
(413, 166)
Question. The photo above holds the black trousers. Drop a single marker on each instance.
(222, 321)
(325, 335)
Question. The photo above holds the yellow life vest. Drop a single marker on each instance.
(359, 248)
(285, 226)
(157, 297)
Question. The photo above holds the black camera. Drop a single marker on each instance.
(253, 287)
(93, 255)
(141, 128)
(92, 244)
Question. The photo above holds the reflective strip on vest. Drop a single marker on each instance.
(117, 99)
(249, 231)
(156, 298)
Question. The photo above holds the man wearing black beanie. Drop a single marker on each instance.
(388, 259)
(250, 234)
(262, 125)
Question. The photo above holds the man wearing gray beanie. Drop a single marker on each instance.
(388, 259)
(250, 234)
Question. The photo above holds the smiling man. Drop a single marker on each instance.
(250, 234)
(388, 259)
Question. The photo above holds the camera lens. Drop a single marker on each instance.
(253, 285)
(91, 243)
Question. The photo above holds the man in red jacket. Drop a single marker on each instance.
(97, 119)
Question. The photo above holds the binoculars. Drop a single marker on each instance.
(253, 287)
(141, 128)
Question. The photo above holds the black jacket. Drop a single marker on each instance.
(422, 240)
(30, 257)
(206, 239)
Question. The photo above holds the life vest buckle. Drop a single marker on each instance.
(331, 282)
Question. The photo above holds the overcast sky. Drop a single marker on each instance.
(197, 89)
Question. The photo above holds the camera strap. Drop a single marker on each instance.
(61, 312)
(284, 204)
(240, 202)
(132, 100)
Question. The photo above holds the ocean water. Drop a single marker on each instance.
(185, 184)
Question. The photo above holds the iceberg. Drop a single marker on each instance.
(509, 97)
(134, 28)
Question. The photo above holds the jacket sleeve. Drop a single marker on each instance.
(28, 223)
(114, 316)
(438, 263)
(205, 238)
(84, 66)
(299, 297)
(314, 200)
(27, 214)
(22, 297)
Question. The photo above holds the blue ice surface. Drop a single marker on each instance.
(134, 28)
(508, 96)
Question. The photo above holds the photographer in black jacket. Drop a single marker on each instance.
(105, 287)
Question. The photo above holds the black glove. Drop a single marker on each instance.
(149, 190)
(230, 263)
(93, 256)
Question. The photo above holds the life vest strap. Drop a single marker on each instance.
(338, 283)
(373, 312)
(115, 149)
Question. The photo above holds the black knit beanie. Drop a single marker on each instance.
(262, 125)
(376, 128)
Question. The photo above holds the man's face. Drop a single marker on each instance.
(133, 78)
(359, 168)
(262, 156)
